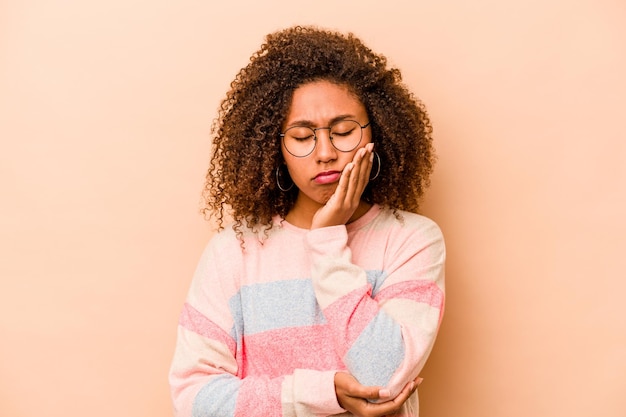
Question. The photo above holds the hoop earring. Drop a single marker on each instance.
(378, 168)
(283, 189)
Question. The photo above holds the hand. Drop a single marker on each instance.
(347, 197)
(353, 397)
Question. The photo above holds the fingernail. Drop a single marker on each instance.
(419, 380)
(384, 393)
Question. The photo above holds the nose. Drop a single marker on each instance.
(324, 149)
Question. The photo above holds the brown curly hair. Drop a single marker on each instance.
(241, 180)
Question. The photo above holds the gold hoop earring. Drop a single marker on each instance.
(377, 168)
(280, 187)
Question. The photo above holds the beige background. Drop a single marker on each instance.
(105, 109)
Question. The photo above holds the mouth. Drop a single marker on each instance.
(327, 177)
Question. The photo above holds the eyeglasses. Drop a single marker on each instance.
(345, 135)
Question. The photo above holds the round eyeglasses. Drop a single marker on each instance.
(345, 135)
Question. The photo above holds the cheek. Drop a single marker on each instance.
(292, 167)
(287, 159)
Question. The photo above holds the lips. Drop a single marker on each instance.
(327, 177)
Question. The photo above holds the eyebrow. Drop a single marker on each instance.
(309, 123)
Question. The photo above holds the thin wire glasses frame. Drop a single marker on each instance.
(304, 138)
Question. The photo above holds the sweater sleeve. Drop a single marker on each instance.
(206, 374)
(384, 337)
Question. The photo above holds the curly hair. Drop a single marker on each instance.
(241, 180)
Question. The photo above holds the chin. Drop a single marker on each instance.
(324, 197)
(318, 196)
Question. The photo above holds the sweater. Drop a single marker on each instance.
(265, 328)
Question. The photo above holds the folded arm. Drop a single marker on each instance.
(384, 338)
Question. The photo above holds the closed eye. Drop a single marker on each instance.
(302, 138)
(342, 133)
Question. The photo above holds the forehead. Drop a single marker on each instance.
(319, 102)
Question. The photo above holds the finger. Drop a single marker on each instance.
(360, 175)
(366, 169)
(351, 387)
(344, 181)
(353, 185)
(394, 405)
(368, 392)
(384, 394)
(406, 392)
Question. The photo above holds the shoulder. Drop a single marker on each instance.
(224, 238)
(225, 256)
(407, 234)
(223, 249)
(244, 242)
(405, 222)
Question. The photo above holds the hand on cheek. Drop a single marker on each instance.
(346, 198)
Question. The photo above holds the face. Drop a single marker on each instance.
(320, 104)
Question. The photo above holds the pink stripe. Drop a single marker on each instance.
(349, 315)
(420, 291)
(280, 352)
(191, 319)
(259, 398)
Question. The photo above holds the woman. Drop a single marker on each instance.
(326, 294)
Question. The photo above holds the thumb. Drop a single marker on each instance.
(384, 393)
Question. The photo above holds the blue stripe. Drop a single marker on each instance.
(376, 279)
(275, 305)
(378, 351)
(217, 398)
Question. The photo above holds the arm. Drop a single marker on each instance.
(201, 386)
(384, 339)
(206, 372)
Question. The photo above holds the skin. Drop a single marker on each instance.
(335, 199)
(355, 397)
(339, 201)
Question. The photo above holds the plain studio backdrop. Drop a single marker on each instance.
(105, 114)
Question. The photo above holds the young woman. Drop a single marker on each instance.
(325, 294)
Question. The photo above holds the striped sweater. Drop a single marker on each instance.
(263, 331)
